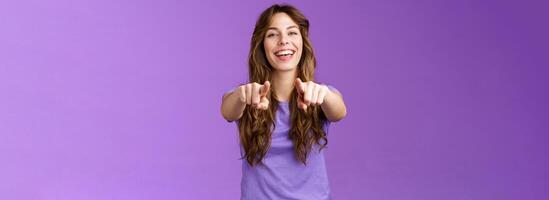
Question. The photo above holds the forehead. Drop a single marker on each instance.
(281, 21)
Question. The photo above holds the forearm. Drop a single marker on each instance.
(232, 106)
(334, 107)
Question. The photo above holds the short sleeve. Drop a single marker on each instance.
(333, 89)
(232, 89)
(326, 126)
(327, 122)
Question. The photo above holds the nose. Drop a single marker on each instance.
(283, 40)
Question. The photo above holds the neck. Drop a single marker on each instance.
(284, 82)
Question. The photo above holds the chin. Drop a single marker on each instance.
(285, 67)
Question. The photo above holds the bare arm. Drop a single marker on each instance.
(233, 103)
(232, 106)
(333, 106)
(331, 102)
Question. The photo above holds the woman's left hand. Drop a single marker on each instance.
(310, 93)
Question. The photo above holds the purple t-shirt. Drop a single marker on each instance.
(282, 176)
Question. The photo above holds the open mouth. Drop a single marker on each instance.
(285, 54)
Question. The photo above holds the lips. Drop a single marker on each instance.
(285, 54)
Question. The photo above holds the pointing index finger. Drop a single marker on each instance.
(299, 85)
(265, 89)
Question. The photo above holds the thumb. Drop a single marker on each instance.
(265, 89)
(264, 103)
(300, 86)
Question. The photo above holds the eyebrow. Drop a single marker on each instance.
(289, 27)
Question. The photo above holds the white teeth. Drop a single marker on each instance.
(284, 53)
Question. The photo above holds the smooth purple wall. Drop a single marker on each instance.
(111, 99)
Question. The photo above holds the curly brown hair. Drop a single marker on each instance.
(256, 126)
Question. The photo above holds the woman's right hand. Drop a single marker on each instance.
(255, 94)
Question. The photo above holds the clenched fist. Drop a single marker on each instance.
(310, 93)
(255, 94)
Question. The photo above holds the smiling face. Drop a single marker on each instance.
(283, 43)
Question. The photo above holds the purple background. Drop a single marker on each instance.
(120, 99)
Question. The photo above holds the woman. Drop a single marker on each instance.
(282, 114)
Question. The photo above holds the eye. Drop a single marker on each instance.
(293, 33)
(270, 35)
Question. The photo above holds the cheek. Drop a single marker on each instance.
(267, 45)
(299, 45)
